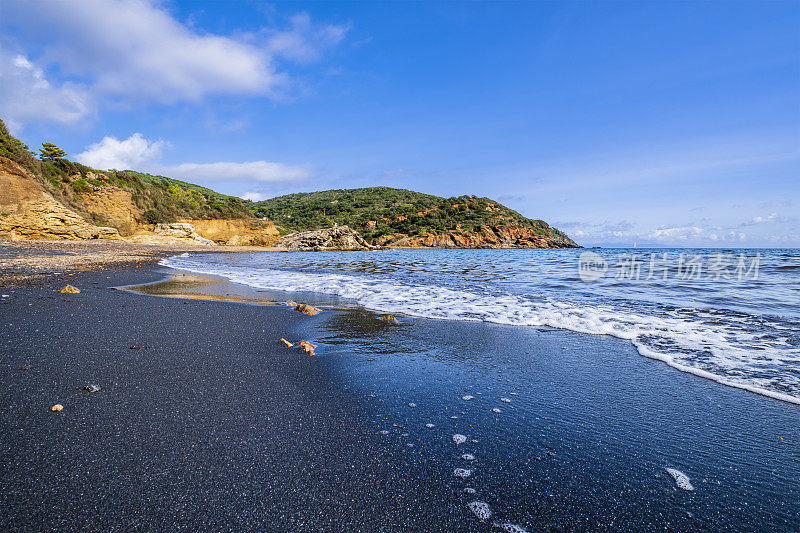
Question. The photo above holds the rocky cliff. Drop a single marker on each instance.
(27, 211)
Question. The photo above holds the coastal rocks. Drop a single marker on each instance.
(389, 319)
(235, 231)
(499, 236)
(69, 289)
(335, 238)
(307, 347)
(307, 309)
(57, 407)
(181, 230)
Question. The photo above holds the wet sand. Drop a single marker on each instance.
(205, 420)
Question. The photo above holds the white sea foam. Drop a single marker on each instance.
(681, 479)
(481, 510)
(463, 473)
(458, 438)
(738, 350)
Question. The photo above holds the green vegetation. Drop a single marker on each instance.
(378, 211)
(160, 199)
(50, 151)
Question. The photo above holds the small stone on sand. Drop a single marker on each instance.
(462, 473)
(69, 289)
(92, 388)
(287, 343)
(505, 400)
(481, 510)
(458, 438)
(57, 407)
(307, 309)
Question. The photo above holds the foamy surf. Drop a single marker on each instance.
(747, 351)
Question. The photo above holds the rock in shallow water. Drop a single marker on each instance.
(681, 479)
(307, 309)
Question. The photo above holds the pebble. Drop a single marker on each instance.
(681, 479)
(384, 432)
(92, 388)
(57, 407)
(412, 405)
(467, 397)
(496, 410)
(505, 400)
(454, 417)
(458, 438)
(430, 426)
(469, 490)
(508, 527)
(480, 509)
(468, 457)
(462, 473)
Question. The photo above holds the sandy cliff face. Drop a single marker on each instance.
(27, 211)
(115, 207)
(236, 231)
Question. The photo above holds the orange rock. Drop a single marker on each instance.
(307, 347)
(291, 303)
(69, 289)
(57, 407)
(390, 319)
(287, 343)
(307, 309)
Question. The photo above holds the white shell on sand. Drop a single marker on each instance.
(505, 400)
(681, 479)
(458, 438)
(463, 473)
(480, 509)
(467, 397)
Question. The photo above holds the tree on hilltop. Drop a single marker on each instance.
(50, 151)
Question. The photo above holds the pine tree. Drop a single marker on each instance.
(51, 151)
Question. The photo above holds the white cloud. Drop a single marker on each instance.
(135, 51)
(133, 153)
(138, 153)
(26, 94)
(263, 171)
(254, 196)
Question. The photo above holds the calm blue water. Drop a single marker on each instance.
(728, 315)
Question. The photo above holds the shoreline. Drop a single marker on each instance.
(205, 420)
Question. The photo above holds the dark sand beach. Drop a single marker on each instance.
(206, 421)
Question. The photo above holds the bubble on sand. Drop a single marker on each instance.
(462, 473)
(481, 510)
(681, 479)
(469, 490)
(467, 397)
(384, 432)
(509, 527)
(496, 410)
(468, 457)
(458, 438)
(430, 426)
(505, 400)
(412, 405)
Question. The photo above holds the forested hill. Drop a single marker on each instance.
(389, 216)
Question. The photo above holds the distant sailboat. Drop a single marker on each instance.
(634, 244)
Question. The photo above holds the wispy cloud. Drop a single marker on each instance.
(135, 51)
(139, 153)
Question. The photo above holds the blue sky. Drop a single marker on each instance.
(671, 123)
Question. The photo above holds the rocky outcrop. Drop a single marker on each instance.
(27, 211)
(487, 237)
(181, 230)
(235, 231)
(335, 238)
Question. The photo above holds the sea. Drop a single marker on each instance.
(563, 390)
(728, 315)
